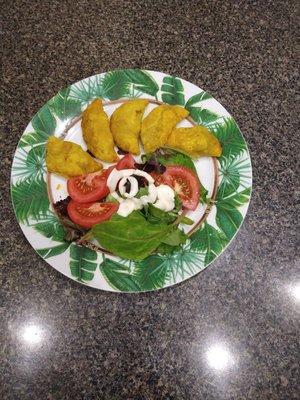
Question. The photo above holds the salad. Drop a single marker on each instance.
(139, 204)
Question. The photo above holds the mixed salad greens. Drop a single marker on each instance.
(152, 196)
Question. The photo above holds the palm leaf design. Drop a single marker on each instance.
(128, 263)
(33, 138)
(197, 98)
(29, 164)
(228, 218)
(185, 263)
(209, 241)
(97, 90)
(83, 91)
(82, 263)
(156, 270)
(63, 106)
(153, 271)
(44, 121)
(173, 91)
(141, 81)
(48, 252)
(44, 125)
(202, 116)
(30, 199)
(115, 85)
(51, 228)
(232, 141)
(238, 199)
(234, 172)
(53, 251)
(118, 276)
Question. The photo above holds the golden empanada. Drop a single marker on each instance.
(96, 132)
(68, 158)
(125, 125)
(158, 125)
(195, 141)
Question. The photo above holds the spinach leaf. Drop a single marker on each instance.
(173, 157)
(175, 237)
(132, 237)
(187, 221)
(164, 248)
(157, 216)
(143, 191)
(178, 204)
(203, 194)
(172, 242)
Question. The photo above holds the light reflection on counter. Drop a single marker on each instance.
(32, 334)
(295, 291)
(218, 357)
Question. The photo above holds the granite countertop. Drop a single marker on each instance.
(231, 332)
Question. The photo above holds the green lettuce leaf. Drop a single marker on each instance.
(131, 237)
(157, 216)
(164, 249)
(175, 238)
(143, 191)
(174, 157)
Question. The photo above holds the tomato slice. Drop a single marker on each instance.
(127, 162)
(89, 214)
(90, 187)
(109, 169)
(185, 183)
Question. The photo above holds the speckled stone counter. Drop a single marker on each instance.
(231, 331)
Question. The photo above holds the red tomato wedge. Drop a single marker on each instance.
(127, 162)
(89, 214)
(185, 183)
(90, 187)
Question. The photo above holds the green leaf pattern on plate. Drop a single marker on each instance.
(30, 198)
(200, 115)
(152, 272)
(82, 263)
(63, 106)
(53, 251)
(44, 124)
(119, 276)
(231, 138)
(172, 91)
(197, 98)
(141, 82)
(208, 240)
(30, 163)
(51, 227)
(228, 217)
